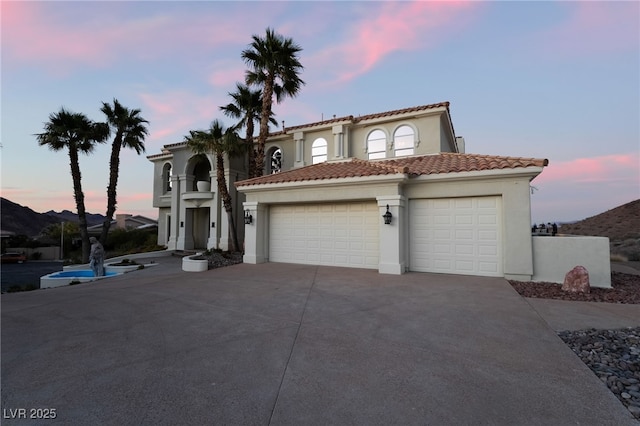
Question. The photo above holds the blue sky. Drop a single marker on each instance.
(556, 80)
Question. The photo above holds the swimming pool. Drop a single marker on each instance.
(80, 273)
(59, 279)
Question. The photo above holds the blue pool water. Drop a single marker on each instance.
(83, 273)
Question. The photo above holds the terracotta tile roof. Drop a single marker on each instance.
(411, 166)
(352, 119)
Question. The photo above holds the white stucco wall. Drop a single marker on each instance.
(511, 185)
(553, 257)
(432, 136)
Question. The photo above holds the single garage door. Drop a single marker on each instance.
(456, 235)
(344, 234)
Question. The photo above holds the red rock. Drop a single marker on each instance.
(577, 280)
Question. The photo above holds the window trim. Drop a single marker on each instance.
(386, 143)
(324, 155)
(167, 184)
(269, 154)
(415, 139)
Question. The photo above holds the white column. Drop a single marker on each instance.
(255, 233)
(392, 236)
(185, 225)
(175, 213)
(338, 142)
(298, 138)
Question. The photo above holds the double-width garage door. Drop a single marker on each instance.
(342, 234)
(456, 235)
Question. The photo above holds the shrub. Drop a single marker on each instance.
(36, 255)
(617, 257)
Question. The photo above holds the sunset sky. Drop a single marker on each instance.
(556, 80)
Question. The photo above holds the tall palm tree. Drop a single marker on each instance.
(78, 134)
(219, 141)
(274, 67)
(246, 107)
(129, 132)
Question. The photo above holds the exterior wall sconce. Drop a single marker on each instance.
(181, 224)
(387, 216)
(247, 217)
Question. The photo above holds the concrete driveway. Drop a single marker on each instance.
(282, 344)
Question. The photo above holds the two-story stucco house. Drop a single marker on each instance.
(329, 185)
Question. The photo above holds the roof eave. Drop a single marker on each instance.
(531, 172)
(319, 183)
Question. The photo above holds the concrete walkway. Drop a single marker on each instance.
(282, 344)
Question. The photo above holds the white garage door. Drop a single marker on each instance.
(344, 234)
(456, 236)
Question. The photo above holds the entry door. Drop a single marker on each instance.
(456, 235)
(343, 234)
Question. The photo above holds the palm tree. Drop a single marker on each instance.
(246, 107)
(274, 67)
(130, 132)
(78, 134)
(219, 141)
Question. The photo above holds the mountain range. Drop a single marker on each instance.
(21, 220)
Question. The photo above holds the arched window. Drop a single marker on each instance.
(377, 144)
(319, 151)
(275, 160)
(166, 178)
(404, 141)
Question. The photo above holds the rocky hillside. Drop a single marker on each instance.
(22, 220)
(621, 225)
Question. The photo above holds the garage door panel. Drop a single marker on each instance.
(488, 268)
(442, 220)
(464, 266)
(464, 249)
(488, 235)
(458, 235)
(487, 219)
(488, 251)
(343, 234)
(465, 219)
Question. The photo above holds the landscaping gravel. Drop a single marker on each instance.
(625, 289)
(613, 355)
(218, 260)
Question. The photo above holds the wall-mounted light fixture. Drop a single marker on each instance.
(181, 224)
(387, 216)
(247, 217)
(213, 224)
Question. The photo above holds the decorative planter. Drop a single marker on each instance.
(193, 264)
(203, 185)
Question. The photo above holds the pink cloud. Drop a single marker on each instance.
(580, 188)
(171, 115)
(98, 34)
(396, 26)
(617, 168)
(594, 27)
(225, 76)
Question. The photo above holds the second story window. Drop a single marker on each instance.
(403, 141)
(166, 178)
(319, 151)
(275, 161)
(377, 145)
